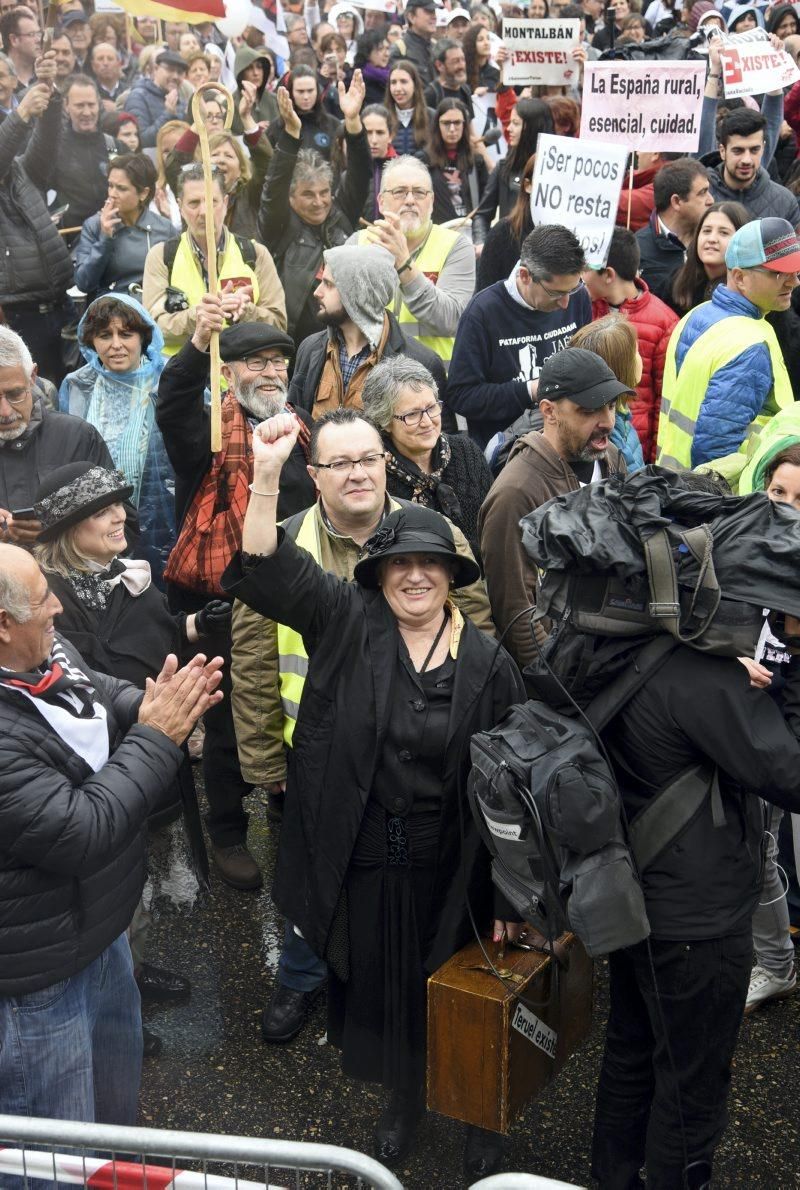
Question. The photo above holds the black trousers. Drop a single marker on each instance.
(226, 819)
(702, 988)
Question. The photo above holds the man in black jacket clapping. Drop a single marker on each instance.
(84, 760)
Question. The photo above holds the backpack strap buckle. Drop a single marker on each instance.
(664, 611)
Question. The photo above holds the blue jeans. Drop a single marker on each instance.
(298, 967)
(73, 1051)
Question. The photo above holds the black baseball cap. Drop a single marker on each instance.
(426, 4)
(580, 376)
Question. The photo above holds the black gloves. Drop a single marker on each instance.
(214, 617)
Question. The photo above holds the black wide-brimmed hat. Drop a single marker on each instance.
(71, 493)
(414, 530)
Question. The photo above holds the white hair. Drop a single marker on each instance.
(14, 353)
(405, 162)
(14, 597)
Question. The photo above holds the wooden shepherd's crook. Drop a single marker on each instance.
(211, 249)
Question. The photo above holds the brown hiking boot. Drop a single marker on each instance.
(237, 866)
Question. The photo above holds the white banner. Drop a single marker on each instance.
(577, 184)
(752, 66)
(539, 52)
(645, 105)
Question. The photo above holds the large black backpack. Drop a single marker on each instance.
(547, 805)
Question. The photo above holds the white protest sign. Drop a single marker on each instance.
(654, 106)
(751, 65)
(539, 52)
(577, 184)
(107, 6)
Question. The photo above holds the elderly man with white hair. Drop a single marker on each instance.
(34, 440)
(356, 286)
(435, 266)
(84, 760)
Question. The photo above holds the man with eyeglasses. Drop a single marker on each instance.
(348, 466)
(212, 491)
(435, 266)
(175, 276)
(725, 376)
(332, 366)
(34, 440)
(22, 40)
(511, 328)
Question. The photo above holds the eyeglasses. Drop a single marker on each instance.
(451, 123)
(346, 466)
(16, 396)
(400, 192)
(260, 363)
(556, 294)
(415, 416)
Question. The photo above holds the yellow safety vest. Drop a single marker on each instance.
(683, 394)
(430, 260)
(292, 655)
(186, 274)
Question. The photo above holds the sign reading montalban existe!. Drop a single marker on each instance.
(577, 184)
(654, 106)
(540, 52)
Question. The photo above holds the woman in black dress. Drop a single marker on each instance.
(371, 856)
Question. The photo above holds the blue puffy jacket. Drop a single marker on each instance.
(737, 392)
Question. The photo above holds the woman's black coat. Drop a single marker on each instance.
(129, 639)
(499, 197)
(351, 636)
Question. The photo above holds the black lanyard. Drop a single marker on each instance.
(432, 649)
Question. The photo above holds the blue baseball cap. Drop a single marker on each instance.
(764, 243)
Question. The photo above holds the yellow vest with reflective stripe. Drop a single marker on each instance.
(684, 394)
(186, 274)
(430, 260)
(292, 655)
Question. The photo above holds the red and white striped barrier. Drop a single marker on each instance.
(99, 1174)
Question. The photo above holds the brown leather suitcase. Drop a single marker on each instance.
(490, 1053)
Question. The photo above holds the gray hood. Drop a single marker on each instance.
(366, 279)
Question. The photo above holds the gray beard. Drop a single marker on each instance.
(10, 435)
(590, 455)
(257, 404)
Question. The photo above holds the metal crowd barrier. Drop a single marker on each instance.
(129, 1165)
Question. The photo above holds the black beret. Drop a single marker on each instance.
(246, 338)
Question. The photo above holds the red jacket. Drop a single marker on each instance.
(504, 103)
(653, 322)
(642, 201)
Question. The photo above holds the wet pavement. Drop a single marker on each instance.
(216, 1075)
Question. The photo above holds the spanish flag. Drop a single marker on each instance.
(195, 12)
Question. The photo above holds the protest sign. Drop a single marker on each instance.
(645, 105)
(752, 66)
(540, 52)
(577, 184)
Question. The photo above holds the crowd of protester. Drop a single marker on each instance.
(410, 365)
